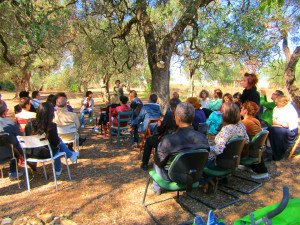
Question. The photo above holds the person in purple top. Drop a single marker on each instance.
(199, 113)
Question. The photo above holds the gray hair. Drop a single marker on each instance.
(61, 101)
(186, 112)
(3, 107)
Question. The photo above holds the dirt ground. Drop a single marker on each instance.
(107, 186)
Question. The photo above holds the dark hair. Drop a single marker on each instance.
(251, 107)
(173, 104)
(252, 79)
(51, 99)
(175, 95)
(153, 98)
(60, 94)
(34, 94)
(117, 81)
(237, 95)
(231, 113)
(3, 107)
(279, 93)
(23, 102)
(88, 93)
(134, 92)
(124, 99)
(44, 117)
(24, 94)
(205, 91)
(186, 112)
(228, 96)
(219, 93)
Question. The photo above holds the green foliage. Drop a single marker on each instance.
(147, 92)
(7, 85)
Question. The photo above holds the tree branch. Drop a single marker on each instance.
(5, 52)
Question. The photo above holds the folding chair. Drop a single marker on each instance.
(69, 134)
(115, 131)
(102, 110)
(184, 173)
(147, 132)
(227, 163)
(7, 153)
(36, 141)
(21, 123)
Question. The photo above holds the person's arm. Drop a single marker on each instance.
(114, 112)
(91, 103)
(221, 140)
(77, 122)
(164, 124)
(265, 103)
(161, 156)
(139, 118)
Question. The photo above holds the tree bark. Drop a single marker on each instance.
(191, 79)
(85, 87)
(105, 89)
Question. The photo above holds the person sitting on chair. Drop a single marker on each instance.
(17, 108)
(167, 126)
(25, 113)
(215, 104)
(175, 95)
(149, 111)
(136, 103)
(63, 94)
(36, 99)
(87, 105)
(122, 108)
(205, 100)
(9, 126)
(185, 138)
(199, 114)
(43, 124)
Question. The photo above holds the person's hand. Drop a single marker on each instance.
(158, 123)
(263, 92)
(285, 125)
(130, 128)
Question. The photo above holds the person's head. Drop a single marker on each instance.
(89, 94)
(61, 102)
(153, 98)
(175, 95)
(123, 100)
(184, 114)
(276, 94)
(249, 108)
(237, 97)
(194, 101)
(51, 99)
(231, 113)
(173, 104)
(114, 99)
(281, 101)
(227, 98)
(44, 116)
(3, 109)
(249, 80)
(132, 94)
(35, 95)
(218, 94)
(60, 94)
(25, 103)
(204, 94)
(118, 82)
(24, 94)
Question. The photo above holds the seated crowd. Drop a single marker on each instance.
(225, 117)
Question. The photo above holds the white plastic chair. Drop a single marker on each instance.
(36, 141)
(70, 129)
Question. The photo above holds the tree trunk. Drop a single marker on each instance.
(85, 87)
(105, 89)
(289, 76)
(191, 79)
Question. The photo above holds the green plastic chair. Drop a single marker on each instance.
(115, 131)
(227, 163)
(184, 173)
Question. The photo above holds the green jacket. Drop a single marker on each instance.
(268, 113)
(215, 105)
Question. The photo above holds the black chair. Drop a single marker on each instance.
(256, 148)
(7, 153)
(226, 163)
(184, 173)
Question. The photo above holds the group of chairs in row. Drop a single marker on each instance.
(187, 168)
(36, 141)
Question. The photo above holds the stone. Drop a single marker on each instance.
(6, 220)
(46, 218)
(65, 221)
(35, 221)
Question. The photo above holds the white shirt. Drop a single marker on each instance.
(205, 103)
(24, 114)
(286, 114)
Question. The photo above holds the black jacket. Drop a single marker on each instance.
(251, 95)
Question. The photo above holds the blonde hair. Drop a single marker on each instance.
(114, 99)
(282, 101)
(194, 101)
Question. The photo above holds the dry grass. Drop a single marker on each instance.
(107, 187)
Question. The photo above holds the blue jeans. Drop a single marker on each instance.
(90, 111)
(61, 148)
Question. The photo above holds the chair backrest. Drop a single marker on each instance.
(67, 129)
(187, 162)
(21, 123)
(147, 131)
(257, 144)
(128, 116)
(5, 147)
(230, 158)
(102, 109)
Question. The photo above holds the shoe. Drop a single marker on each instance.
(198, 221)
(13, 176)
(95, 129)
(91, 120)
(74, 156)
(58, 173)
(144, 166)
(82, 126)
(135, 145)
(245, 168)
(156, 192)
(260, 176)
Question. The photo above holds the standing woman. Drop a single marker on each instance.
(205, 100)
(43, 124)
(250, 92)
(284, 131)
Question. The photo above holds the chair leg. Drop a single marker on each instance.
(259, 184)
(27, 176)
(68, 166)
(45, 172)
(119, 144)
(294, 147)
(17, 169)
(54, 175)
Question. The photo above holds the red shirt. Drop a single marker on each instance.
(114, 113)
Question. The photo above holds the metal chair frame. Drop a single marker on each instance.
(147, 132)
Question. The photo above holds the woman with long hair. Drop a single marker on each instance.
(205, 100)
(43, 124)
